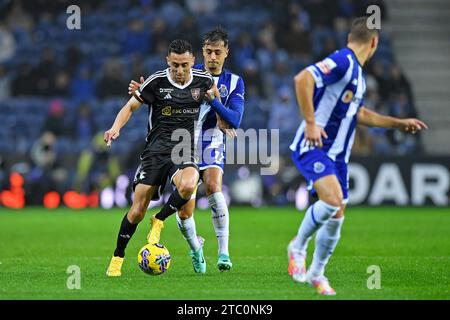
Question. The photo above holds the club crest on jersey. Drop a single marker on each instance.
(347, 96)
(319, 167)
(195, 92)
(223, 91)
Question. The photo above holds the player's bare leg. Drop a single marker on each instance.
(185, 181)
(142, 196)
(212, 177)
(330, 200)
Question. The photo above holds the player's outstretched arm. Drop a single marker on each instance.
(304, 90)
(372, 119)
(121, 119)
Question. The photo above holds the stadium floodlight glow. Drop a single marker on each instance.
(107, 198)
(301, 197)
(202, 203)
(120, 198)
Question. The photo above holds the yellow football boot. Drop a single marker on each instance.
(155, 230)
(115, 267)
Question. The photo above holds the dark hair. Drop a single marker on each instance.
(179, 46)
(360, 31)
(216, 35)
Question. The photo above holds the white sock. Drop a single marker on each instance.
(326, 240)
(316, 215)
(187, 228)
(220, 218)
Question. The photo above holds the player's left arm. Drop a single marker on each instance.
(233, 111)
(372, 119)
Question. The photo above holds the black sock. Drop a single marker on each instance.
(126, 231)
(174, 203)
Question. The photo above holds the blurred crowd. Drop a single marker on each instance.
(60, 88)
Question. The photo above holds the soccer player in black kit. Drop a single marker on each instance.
(173, 96)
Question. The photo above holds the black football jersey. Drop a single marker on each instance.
(172, 106)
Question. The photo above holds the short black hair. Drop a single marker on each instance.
(179, 46)
(216, 35)
(360, 31)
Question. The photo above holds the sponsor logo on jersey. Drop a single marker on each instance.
(191, 110)
(167, 97)
(326, 65)
(167, 111)
(165, 90)
(195, 92)
(178, 111)
(223, 91)
(347, 96)
(319, 167)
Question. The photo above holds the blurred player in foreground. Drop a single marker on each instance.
(330, 95)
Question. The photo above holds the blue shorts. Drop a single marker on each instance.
(212, 156)
(315, 164)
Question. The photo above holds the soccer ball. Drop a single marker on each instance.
(154, 259)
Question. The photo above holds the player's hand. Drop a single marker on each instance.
(111, 134)
(412, 125)
(225, 127)
(216, 91)
(212, 93)
(230, 133)
(314, 134)
(133, 85)
(209, 95)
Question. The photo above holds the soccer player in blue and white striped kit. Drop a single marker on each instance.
(225, 112)
(330, 94)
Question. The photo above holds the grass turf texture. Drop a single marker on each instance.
(410, 245)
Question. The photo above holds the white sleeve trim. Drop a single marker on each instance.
(316, 75)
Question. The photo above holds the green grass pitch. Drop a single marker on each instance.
(410, 245)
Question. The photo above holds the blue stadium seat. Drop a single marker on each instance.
(101, 38)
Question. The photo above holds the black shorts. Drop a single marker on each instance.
(155, 171)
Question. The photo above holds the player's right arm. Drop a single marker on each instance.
(304, 90)
(323, 73)
(121, 119)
